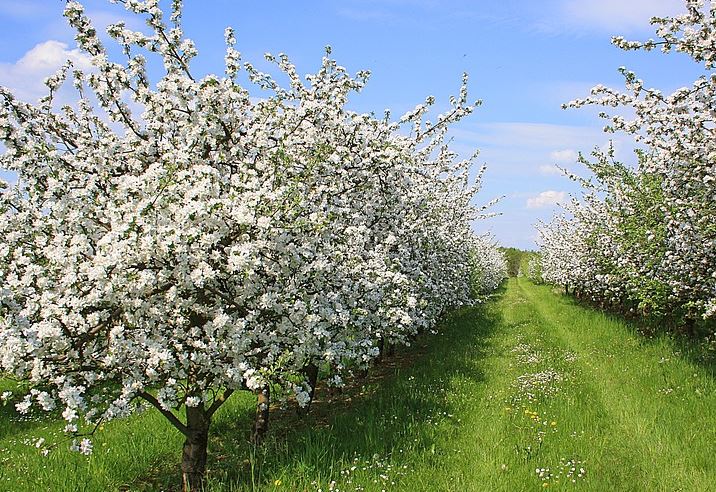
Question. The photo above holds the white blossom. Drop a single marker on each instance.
(216, 242)
(643, 239)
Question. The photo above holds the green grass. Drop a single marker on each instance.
(529, 381)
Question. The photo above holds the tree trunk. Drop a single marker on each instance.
(193, 460)
(263, 400)
(310, 372)
(390, 351)
(381, 347)
(362, 373)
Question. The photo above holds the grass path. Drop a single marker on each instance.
(574, 399)
(527, 392)
(643, 409)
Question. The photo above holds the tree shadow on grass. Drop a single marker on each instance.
(13, 422)
(398, 411)
(696, 349)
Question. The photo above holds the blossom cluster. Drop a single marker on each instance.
(488, 266)
(211, 241)
(645, 238)
(534, 268)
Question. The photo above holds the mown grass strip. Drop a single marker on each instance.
(660, 403)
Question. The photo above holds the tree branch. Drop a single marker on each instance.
(167, 413)
(218, 402)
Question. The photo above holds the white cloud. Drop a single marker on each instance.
(550, 169)
(547, 199)
(566, 156)
(617, 16)
(534, 135)
(559, 160)
(518, 149)
(25, 76)
(101, 19)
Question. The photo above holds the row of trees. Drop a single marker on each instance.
(644, 239)
(217, 243)
(531, 266)
(514, 258)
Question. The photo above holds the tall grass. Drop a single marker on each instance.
(527, 392)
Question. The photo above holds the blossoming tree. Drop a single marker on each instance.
(645, 239)
(208, 243)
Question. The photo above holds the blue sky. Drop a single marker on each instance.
(524, 58)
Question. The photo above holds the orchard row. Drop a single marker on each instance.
(643, 239)
(177, 241)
